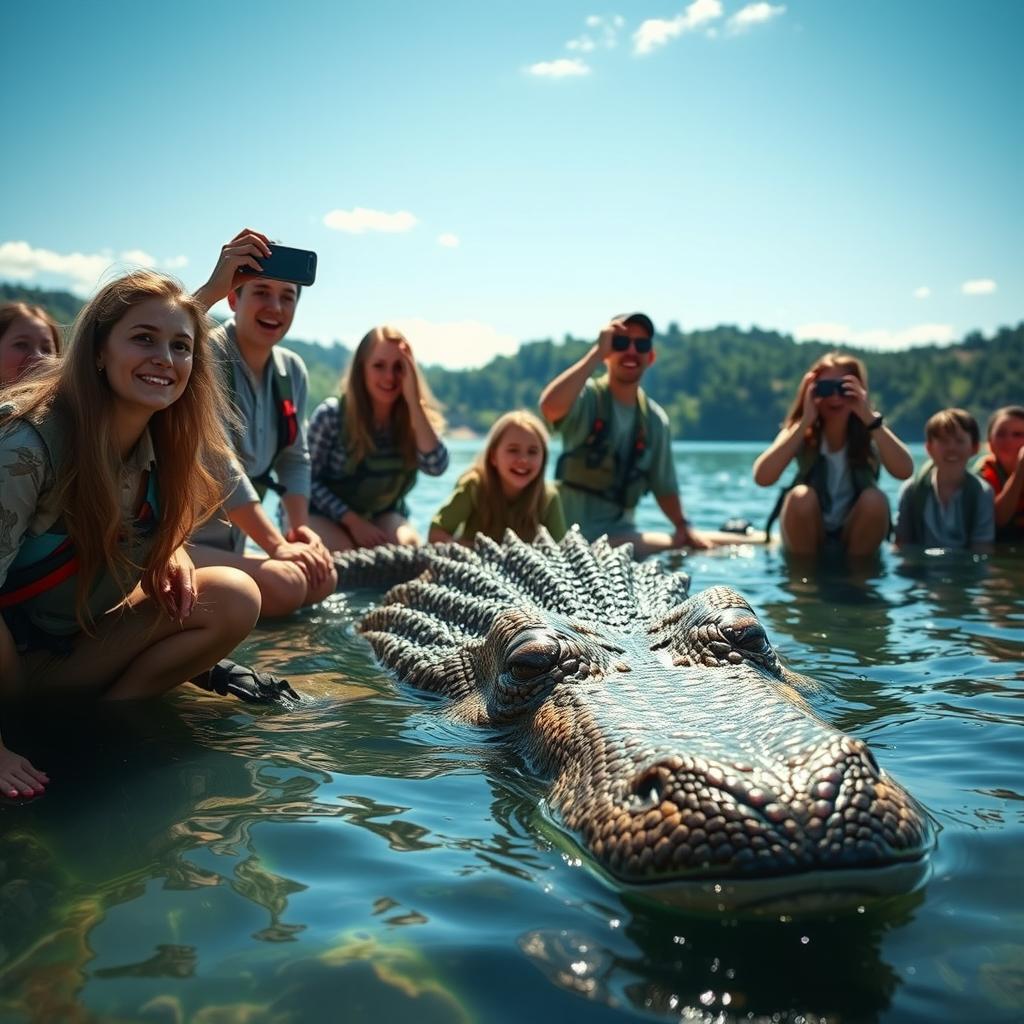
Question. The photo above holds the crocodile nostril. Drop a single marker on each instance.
(647, 789)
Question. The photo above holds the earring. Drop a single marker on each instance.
(100, 369)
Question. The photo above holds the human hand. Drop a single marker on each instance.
(306, 535)
(604, 339)
(365, 533)
(303, 555)
(810, 403)
(18, 777)
(857, 396)
(174, 587)
(243, 251)
(410, 380)
(685, 537)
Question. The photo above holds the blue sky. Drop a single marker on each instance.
(484, 173)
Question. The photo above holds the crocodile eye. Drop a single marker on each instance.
(746, 634)
(532, 657)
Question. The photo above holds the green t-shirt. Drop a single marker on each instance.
(460, 514)
(597, 515)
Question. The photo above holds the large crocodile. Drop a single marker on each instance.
(677, 745)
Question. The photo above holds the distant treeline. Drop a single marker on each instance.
(721, 384)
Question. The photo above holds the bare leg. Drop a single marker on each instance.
(867, 524)
(803, 531)
(283, 587)
(335, 537)
(140, 652)
(398, 528)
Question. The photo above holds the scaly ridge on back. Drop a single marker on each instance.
(467, 616)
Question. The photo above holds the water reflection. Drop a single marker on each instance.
(727, 969)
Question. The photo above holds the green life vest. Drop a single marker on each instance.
(812, 471)
(50, 560)
(596, 467)
(375, 484)
(922, 487)
(287, 418)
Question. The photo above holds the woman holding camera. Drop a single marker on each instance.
(839, 442)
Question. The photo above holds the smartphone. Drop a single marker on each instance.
(284, 264)
(827, 387)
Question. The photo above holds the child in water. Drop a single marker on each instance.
(944, 505)
(505, 487)
(1003, 470)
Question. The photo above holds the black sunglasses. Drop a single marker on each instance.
(621, 342)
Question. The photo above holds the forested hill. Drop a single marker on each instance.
(718, 384)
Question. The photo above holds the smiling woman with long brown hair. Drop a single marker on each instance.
(103, 474)
(839, 442)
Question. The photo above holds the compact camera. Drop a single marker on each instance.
(829, 386)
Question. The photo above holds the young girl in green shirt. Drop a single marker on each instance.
(504, 488)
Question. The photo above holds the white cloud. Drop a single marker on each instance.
(456, 344)
(564, 67)
(754, 14)
(176, 262)
(655, 32)
(877, 337)
(923, 292)
(23, 262)
(359, 220)
(603, 32)
(979, 286)
(138, 256)
(448, 240)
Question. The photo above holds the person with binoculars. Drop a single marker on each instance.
(839, 443)
(616, 444)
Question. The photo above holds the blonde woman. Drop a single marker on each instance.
(28, 335)
(103, 474)
(838, 441)
(505, 488)
(367, 446)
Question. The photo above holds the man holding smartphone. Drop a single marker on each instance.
(267, 385)
(616, 442)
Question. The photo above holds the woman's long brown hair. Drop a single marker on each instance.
(359, 409)
(858, 440)
(494, 506)
(188, 439)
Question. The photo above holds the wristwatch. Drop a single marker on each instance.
(875, 423)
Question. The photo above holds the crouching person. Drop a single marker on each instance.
(266, 386)
(103, 474)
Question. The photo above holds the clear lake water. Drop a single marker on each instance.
(364, 859)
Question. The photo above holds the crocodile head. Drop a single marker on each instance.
(676, 745)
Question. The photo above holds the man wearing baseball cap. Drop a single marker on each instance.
(616, 442)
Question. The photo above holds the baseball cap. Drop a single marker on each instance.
(637, 318)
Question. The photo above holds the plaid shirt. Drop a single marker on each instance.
(330, 461)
